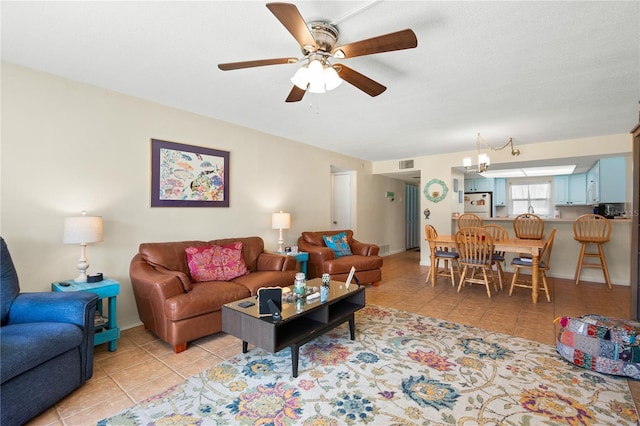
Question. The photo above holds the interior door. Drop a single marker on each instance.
(341, 205)
(412, 216)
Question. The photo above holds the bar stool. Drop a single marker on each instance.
(442, 253)
(469, 220)
(528, 226)
(592, 229)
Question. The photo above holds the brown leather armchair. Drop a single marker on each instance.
(179, 310)
(322, 259)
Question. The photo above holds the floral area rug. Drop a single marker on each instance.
(401, 369)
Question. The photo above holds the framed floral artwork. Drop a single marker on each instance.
(188, 176)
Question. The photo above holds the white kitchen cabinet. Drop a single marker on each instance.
(478, 185)
(500, 192)
(570, 190)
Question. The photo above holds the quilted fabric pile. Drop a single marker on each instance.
(599, 343)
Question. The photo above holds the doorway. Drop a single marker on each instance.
(412, 216)
(342, 200)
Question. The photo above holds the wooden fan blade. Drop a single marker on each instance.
(295, 95)
(289, 16)
(362, 82)
(257, 63)
(405, 39)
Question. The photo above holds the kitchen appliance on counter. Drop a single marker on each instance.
(478, 203)
(609, 210)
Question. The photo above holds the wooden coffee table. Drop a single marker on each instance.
(299, 324)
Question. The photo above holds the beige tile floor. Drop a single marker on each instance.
(143, 365)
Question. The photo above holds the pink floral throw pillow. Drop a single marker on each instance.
(216, 263)
(201, 263)
(232, 262)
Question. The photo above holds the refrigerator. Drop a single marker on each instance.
(478, 203)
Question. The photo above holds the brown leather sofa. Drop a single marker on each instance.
(322, 259)
(178, 310)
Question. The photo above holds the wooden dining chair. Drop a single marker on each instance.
(526, 263)
(475, 250)
(442, 253)
(467, 220)
(528, 226)
(498, 233)
(592, 229)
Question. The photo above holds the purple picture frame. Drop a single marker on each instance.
(188, 176)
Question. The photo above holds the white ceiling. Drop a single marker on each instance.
(535, 71)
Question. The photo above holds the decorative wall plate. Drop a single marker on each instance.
(435, 190)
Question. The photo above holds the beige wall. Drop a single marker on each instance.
(68, 146)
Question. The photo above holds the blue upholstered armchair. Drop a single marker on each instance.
(46, 345)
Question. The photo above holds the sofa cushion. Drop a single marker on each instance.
(343, 265)
(338, 243)
(170, 255)
(204, 298)
(25, 346)
(252, 247)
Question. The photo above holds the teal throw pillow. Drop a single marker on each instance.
(338, 243)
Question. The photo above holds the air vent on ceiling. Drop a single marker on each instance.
(405, 164)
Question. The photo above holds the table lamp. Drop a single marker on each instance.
(82, 230)
(280, 221)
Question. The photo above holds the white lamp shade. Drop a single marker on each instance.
(331, 78)
(280, 220)
(316, 77)
(301, 78)
(483, 159)
(83, 229)
(466, 161)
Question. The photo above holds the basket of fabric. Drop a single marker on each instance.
(599, 343)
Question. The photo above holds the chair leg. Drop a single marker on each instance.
(453, 280)
(516, 270)
(486, 281)
(603, 262)
(545, 284)
(464, 272)
(579, 267)
(500, 274)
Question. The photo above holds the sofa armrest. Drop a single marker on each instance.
(275, 262)
(73, 308)
(364, 249)
(151, 289)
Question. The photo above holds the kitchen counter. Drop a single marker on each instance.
(566, 249)
(550, 219)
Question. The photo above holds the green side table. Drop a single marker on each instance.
(107, 332)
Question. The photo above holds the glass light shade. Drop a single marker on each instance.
(483, 159)
(316, 77)
(466, 161)
(331, 78)
(316, 87)
(83, 229)
(280, 220)
(301, 78)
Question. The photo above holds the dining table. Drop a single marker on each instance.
(509, 245)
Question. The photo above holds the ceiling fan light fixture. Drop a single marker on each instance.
(316, 86)
(331, 78)
(301, 78)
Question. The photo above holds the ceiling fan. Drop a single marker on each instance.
(318, 41)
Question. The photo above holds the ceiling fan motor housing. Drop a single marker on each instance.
(326, 37)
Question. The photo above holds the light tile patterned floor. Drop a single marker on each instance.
(143, 365)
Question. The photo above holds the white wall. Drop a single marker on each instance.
(68, 147)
